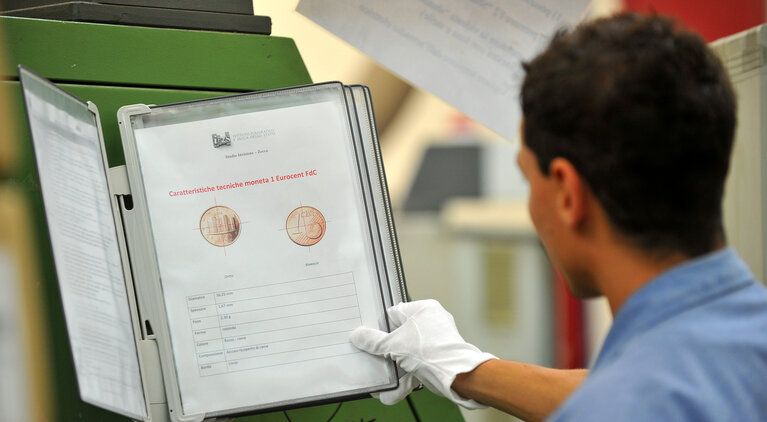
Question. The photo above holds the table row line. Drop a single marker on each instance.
(269, 290)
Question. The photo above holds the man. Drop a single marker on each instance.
(627, 133)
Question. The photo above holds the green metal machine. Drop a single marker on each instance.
(112, 66)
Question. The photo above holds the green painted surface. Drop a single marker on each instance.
(139, 56)
(428, 408)
(366, 410)
(432, 408)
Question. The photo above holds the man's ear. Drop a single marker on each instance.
(571, 192)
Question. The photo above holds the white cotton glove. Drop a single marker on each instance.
(426, 344)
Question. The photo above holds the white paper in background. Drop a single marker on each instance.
(14, 400)
(257, 313)
(84, 242)
(466, 52)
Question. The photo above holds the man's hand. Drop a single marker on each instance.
(426, 344)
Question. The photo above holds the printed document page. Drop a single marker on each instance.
(264, 255)
(468, 53)
(84, 241)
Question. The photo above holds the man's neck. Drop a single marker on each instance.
(626, 270)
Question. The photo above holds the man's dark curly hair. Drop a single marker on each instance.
(645, 112)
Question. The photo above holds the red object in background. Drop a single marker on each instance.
(568, 326)
(713, 19)
(460, 124)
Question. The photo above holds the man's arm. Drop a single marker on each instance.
(529, 392)
(427, 346)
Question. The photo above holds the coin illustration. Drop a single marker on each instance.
(220, 225)
(305, 226)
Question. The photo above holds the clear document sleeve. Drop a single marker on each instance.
(268, 244)
(374, 179)
(71, 166)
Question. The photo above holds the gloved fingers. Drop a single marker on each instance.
(369, 340)
(406, 385)
(397, 316)
(400, 312)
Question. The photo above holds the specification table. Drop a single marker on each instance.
(274, 324)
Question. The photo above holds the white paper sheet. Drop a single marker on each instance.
(85, 250)
(260, 297)
(466, 52)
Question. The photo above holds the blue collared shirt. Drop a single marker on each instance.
(690, 345)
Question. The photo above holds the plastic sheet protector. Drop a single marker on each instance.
(269, 236)
(72, 170)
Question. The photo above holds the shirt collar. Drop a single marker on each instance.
(673, 291)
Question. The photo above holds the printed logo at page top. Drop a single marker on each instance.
(221, 141)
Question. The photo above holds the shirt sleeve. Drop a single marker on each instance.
(658, 397)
